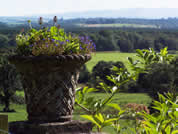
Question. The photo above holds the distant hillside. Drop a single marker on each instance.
(149, 13)
(170, 23)
(151, 17)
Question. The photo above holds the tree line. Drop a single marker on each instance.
(169, 23)
(129, 41)
(109, 39)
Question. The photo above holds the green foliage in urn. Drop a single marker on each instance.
(52, 41)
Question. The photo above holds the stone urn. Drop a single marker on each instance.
(49, 83)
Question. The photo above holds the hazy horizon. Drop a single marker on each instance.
(35, 7)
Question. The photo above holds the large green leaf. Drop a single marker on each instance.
(139, 53)
(115, 106)
(130, 60)
(90, 118)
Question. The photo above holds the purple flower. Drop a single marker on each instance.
(87, 42)
(62, 43)
(56, 45)
(81, 48)
(53, 40)
(82, 39)
(87, 37)
(94, 46)
(67, 40)
(31, 45)
(46, 45)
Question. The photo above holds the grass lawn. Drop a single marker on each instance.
(19, 115)
(120, 98)
(110, 56)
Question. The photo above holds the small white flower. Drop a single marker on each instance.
(114, 88)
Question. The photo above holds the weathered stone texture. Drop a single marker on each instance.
(71, 127)
(49, 83)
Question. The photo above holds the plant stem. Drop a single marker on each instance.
(84, 108)
(108, 99)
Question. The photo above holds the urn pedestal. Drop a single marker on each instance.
(49, 84)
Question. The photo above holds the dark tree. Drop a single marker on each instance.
(9, 82)
(84, 75)
(125, 45)
(161, 78)
(3, 40)
(103, 69)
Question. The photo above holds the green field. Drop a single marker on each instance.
(120, 98)
(110, 56)
(118, 25)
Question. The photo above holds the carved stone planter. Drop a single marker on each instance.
(49, 83)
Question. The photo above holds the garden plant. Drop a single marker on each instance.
(163, 121)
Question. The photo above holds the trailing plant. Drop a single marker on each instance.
(52, 41)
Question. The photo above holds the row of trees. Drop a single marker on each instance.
(129, 41)
(111, 39)
(170, 23)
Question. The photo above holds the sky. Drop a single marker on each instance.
(32, 7)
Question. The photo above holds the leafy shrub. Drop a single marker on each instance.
(103, 69)
(154, 71)
(164, 121)
(160, 78)
(94, 106)
(9, 82)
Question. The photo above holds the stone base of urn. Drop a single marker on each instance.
(71, 127)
